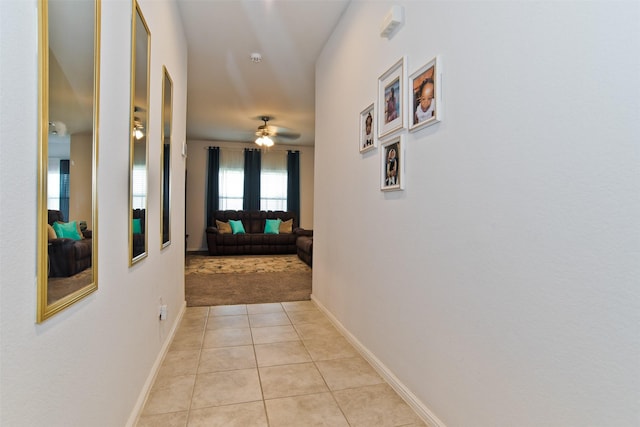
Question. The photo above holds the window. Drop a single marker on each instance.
(273, 181)
(139, 187)
(53, 184)
(231, 177)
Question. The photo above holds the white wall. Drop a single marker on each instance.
(501, 287)
(88, 365)
(197, 184)
(80, 180)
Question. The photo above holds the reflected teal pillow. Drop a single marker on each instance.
(137, 226)
(68, 230)
(236, 227)
(272, 226)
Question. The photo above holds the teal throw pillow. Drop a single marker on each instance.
(236, 227)
(137, 226)
(272, 226)
(67, 230)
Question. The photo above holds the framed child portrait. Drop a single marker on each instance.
(392, 160)
(391, 99)
(367, 140)
(426, 100)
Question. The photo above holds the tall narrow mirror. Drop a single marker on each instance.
(69, 55)
(138, 172)
(167, 116)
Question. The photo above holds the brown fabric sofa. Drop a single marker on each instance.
(254, 241)
(67, 256)
(304, 245)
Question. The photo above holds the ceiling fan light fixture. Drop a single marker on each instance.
(256, 57)
(264, 141)
(57, 128)
(138, 129)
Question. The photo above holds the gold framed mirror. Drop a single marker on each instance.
(165, 158)
(138, 141)
(69, 64)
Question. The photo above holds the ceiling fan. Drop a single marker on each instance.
(265, 133)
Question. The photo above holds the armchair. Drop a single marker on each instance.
(67, 256)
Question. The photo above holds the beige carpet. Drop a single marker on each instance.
(247, 279)
(59, 287)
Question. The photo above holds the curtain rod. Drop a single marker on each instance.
(242, 149)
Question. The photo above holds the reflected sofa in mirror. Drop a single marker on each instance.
(165, 161)
(138, 154)
(69, 52)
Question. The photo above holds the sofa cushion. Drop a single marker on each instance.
(236, 226)
(51, 233)
(136, 226)
(272, 226)
(223, 227)
(286, 226)
(67, 230)
(80, 233)
(140, 213)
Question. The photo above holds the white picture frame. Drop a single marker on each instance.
(425, 83)
(392, 164)
(391, 99)
(368, 141)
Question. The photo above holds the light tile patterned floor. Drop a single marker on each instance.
(268, 365)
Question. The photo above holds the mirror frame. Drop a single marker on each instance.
(165, 158)
(137, 14)
(44, 309)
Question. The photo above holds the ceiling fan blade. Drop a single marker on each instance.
(287, 135)
(275, 131)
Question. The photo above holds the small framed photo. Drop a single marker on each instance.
(391, 99)
(426, 99)
(392, 160)
(367, 141)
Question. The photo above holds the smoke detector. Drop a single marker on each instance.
(256, 57)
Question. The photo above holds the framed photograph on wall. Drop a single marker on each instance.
(391, 99)
(367, 140)
(392, 160)
(425, 95)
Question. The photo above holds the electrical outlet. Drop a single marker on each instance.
(163, 312)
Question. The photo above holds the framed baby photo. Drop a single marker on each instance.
(391, 99)
(392, 160)
(426, 100)
(367, 140)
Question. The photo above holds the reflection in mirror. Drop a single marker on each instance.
(138, 172)
(167, 115)
(69, 52)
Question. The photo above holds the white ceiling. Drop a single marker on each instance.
(227, 92)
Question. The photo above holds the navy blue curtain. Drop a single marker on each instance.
(213, 187)
(252, 165)
(166, 157)
(293, 182)
(64, 188)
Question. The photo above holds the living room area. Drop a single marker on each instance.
(258, 265)
(196, 220)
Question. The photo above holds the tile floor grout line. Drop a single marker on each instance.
(255, 355)
(193, 389)
(325, 381)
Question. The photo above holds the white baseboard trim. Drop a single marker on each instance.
(421, 409)
(146, 389)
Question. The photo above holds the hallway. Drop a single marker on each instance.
(279, 364)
